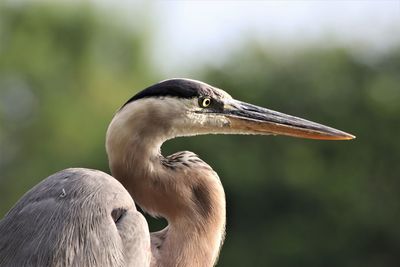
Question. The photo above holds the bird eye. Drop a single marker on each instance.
(205, 102)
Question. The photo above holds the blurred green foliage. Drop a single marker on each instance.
(65, 70)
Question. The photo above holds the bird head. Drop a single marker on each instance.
(184, 107)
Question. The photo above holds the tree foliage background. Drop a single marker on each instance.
(65, 70)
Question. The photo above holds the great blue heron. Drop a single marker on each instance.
(83, 217)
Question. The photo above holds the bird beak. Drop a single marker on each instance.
(250, 119)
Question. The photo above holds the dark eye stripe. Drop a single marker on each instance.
(180, 88)
(215, 105)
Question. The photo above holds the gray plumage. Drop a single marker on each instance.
(76, 217)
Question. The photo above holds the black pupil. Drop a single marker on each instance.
(206, 102)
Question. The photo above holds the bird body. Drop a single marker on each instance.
(181, 187)
(76, 217)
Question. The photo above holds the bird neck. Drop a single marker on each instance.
(190, 196)
(186, 245)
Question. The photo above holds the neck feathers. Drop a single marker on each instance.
(181, 188)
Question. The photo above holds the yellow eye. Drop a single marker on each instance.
(205, 102)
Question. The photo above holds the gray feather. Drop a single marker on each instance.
(66, 220)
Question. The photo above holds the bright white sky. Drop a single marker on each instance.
(199, 31)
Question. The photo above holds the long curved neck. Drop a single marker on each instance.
(191, 198)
